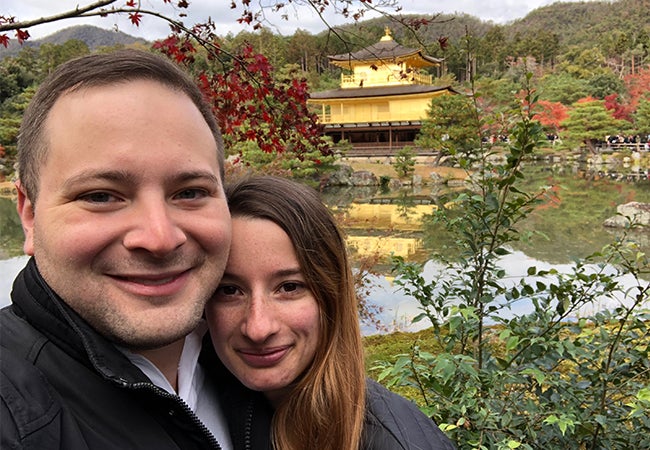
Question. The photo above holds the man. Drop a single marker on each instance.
(121, 201)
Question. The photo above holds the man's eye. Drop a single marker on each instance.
(191, 194)
(98, 197)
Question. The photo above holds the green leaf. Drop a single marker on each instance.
(512, 343)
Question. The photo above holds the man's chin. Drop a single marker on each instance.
(152, 341)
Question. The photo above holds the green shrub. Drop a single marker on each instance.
(404, 162)
(310, 165)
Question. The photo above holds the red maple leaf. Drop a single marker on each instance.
(135, 18)
(22, 35)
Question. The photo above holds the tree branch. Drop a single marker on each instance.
(77, 12)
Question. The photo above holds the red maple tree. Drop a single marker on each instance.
(619, 110)
(550, 115)
(638, 86)
(248, 101)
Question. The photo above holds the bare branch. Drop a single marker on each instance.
(77, 12)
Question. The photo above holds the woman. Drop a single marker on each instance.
(284, 322)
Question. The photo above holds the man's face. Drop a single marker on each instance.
(131, 226)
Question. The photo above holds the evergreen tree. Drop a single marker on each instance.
(590, 122)
(450, 126)
(642, 118)
(11, 115)
(563, 88)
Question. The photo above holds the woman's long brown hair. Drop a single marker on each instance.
(325, 409)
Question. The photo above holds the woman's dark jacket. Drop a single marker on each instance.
(63, 386)
(391, 421)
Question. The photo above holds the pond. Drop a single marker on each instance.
(567, 229)
(570, 228)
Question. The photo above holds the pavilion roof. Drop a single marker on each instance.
(386, 50)
(379, 91)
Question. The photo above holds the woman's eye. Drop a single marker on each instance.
(291, 286)
(227, 290)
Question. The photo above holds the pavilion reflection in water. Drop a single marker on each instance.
(384, 229)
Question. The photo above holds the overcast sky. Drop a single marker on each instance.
(498, 11)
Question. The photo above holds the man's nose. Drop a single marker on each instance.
(154, 229)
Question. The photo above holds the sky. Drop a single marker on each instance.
(497, 11)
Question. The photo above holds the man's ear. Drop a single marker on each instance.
(25, 209)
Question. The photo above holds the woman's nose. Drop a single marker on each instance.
(260, 322)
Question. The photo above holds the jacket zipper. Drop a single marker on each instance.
(191, 414)
(248, 426)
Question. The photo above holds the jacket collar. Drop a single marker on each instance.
(35, 301)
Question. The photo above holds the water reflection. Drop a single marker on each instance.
(400, 309)
(9, 268)
(11, 233)
(367, 246)
(566, 229)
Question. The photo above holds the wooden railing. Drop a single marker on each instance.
(383, 79)
(372, 150)
(635, 146)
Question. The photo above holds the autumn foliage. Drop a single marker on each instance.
(550, 114)
(254, 104)
(249, 102)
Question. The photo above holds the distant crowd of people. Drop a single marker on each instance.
(613, 140)
(626, 139)
(608, 141)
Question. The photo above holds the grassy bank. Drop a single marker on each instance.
(385, 348)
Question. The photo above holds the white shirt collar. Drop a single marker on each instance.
(198, 392)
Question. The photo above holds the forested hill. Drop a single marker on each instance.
(92, 36)
(582, 22)
(574, 23)
(584, 39)
(572, 33)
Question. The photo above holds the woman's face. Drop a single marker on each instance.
(263, 319)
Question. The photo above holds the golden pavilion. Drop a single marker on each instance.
(383, 98)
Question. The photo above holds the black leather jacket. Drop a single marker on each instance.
(63, 386)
